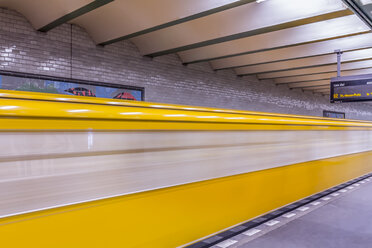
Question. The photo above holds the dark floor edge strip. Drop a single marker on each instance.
(234, 231)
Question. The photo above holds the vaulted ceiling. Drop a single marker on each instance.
(289, 41)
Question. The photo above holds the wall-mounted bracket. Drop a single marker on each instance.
(339, 53)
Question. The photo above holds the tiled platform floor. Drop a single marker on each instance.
(343, 222)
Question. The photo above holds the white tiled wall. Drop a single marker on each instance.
(165, 79)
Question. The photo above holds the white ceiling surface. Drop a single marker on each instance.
(308, 85)
(308, 50)
(245, 18)
(288, 41)
(42, 12)
(123, 17)
(319, 88)
(305, 62)
(333, 28)
(318, 69)
(321, 76)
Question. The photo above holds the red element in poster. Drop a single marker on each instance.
(125, 96)
(79, 91)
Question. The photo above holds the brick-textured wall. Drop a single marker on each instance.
(165, 79)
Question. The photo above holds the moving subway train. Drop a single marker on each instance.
(91, 172)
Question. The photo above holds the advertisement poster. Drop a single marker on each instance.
(69, 88)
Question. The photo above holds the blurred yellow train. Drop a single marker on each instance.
(91, 172)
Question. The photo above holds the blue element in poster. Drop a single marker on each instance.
(137, 94)
(105, 92)
(61, 87)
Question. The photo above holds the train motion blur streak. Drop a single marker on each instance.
(83, 172)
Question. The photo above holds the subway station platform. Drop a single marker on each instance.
(338, 220)
(185, 124)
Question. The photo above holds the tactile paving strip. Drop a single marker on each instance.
(223, 239)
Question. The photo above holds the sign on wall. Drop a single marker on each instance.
(70, 87)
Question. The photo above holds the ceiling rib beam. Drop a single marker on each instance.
(321, 76)
(284, 49)
(315, 88)
(313, 19)
(337, 28)
(321, 91)
(346, 44)
(304, 63)
(179, 21)
(356, 8)
(347, 66)
(328, 71)
(308, 78)
(68, 17)
(309, 84)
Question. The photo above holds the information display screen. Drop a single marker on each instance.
(351, 91)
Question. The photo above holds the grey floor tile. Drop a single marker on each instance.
(346, 222)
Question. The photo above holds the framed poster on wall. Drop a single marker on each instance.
(37, 83)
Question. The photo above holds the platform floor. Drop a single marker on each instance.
(344, 222)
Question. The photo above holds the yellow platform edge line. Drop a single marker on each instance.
(100, 113)
(11, 94)
(175, 216)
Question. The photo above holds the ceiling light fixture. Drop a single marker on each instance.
(361, 9)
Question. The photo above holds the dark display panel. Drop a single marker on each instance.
(351, 91)
(333, 114)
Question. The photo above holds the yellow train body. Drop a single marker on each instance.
(90, 172)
